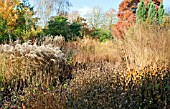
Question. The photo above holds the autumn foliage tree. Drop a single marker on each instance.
(75, 17)
(8, 17)
(25, 22)
(16, 19)
(7, 11)
(127, 15)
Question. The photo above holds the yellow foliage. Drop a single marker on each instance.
(7, 11)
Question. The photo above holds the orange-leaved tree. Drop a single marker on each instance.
(126, 15)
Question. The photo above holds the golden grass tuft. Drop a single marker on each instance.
(91, 50)
(145, 45)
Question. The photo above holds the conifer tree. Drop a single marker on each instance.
(152, 13)
(161, 12)
(141, 12)
(150, 3)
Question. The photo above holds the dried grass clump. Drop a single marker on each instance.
(145, 45)
(25, 65)
(56, 41)
(92, 51)
(20, 58)
(29, 67)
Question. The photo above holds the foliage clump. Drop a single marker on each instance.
(60, 26)
(16, 20)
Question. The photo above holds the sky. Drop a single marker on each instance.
(83, 6)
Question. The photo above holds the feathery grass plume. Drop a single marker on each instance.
(27, 66)
(54, 40)
(24, 58)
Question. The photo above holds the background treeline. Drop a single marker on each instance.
(23, 22)
(20, 20)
